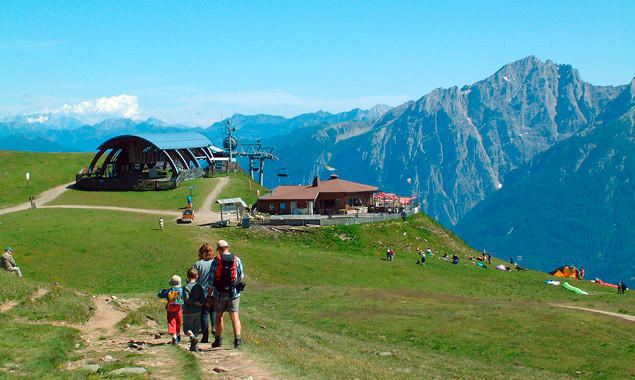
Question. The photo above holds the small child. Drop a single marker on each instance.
(174, 307)
(194, 297)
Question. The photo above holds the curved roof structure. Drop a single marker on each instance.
(179, 140)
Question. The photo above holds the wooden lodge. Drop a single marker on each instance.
(333, 196)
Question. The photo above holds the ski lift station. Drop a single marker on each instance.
(151, 162)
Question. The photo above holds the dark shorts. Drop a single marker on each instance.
(223, 304)
(192, 322)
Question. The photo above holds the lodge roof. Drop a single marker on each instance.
(311, 192)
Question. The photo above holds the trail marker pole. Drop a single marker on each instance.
(28, 177)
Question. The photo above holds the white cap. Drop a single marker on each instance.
(175, 281)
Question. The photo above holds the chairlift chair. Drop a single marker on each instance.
(282, 172)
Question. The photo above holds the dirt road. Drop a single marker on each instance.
(203, 215)
(42, 199)
(630, 318)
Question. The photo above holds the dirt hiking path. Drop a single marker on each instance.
(115, 208)
(4, 307)
(43, 198)
(101, 335)
(630, 318)
(205, 212)
(203, 215)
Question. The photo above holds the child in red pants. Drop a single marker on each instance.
(174, 307)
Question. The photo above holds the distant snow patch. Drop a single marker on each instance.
(40, 119)
(499, 186)
(505, 77)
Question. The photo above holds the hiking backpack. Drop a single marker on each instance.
(175, 302)
(225, 280)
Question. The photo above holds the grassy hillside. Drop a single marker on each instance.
(241, 186)
(584, 191)
(324, 304)
(47, 170)
(155, 200)
(37, 350)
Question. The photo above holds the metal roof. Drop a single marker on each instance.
(178, 140)
(229, 201)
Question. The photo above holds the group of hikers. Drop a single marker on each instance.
(421, 254)
(213, 287)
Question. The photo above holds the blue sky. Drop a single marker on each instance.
(192, 62)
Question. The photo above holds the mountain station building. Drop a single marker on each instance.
(333, 196)
(151, 162)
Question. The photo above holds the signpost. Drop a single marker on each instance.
(28, 178)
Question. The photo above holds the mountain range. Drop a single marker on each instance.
(487, 158)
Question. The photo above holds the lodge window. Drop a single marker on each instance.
(283, 206)
(272, 207)
(329, 203)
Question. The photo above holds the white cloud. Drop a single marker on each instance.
(114, 106)
(40, 119)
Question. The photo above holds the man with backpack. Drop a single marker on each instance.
(227, 273)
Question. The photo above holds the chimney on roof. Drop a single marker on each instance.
(334, 176)
(316, 181)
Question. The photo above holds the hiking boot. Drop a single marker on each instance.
(205, 338)
(238, 344)
(173, 341)
(178, 339)
(193, 344)
(218, 342)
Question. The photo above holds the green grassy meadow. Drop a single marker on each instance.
(38, 350)
(241, 186)
(14, 166)
(155, 200)
(325, 304)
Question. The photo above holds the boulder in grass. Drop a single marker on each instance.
(128, 371)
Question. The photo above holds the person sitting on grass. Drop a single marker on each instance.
(193, 300)
(455, 259)
(174, 307)
(8, 262)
